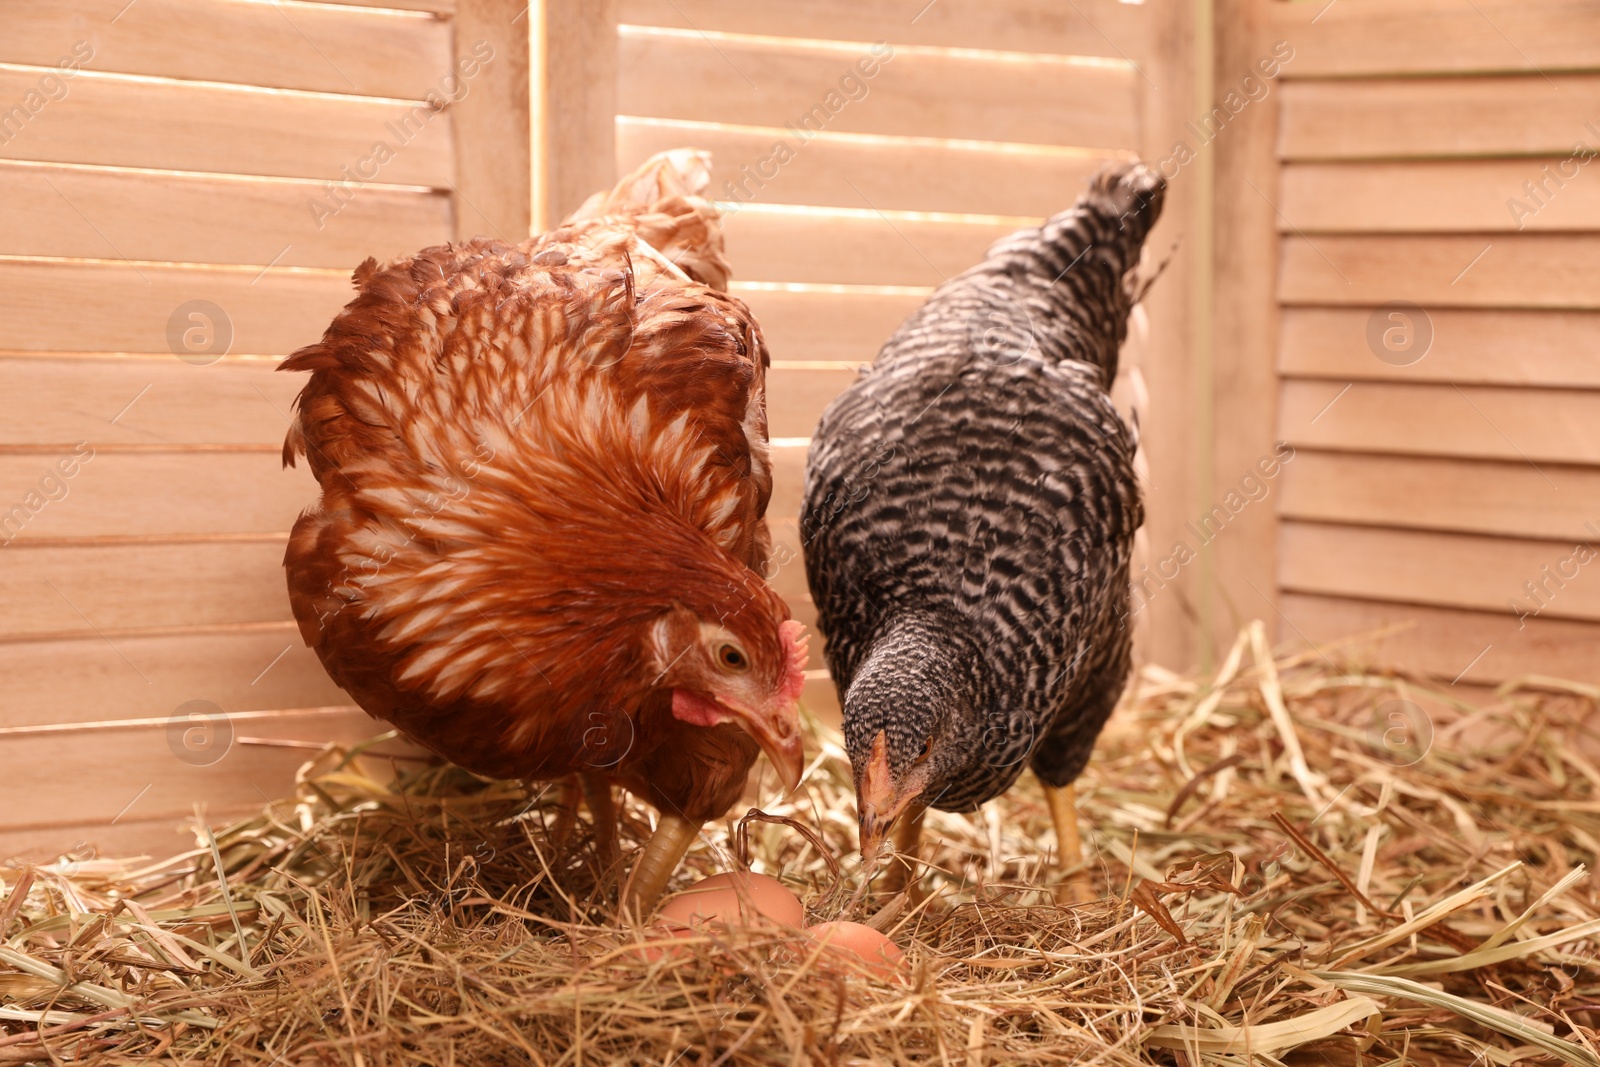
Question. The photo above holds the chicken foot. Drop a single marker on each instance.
(659, 858)
(1074, 885)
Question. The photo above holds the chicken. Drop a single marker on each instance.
(540, 542)
(970, 510)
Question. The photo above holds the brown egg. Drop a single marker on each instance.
(855, 946)
(738, 899)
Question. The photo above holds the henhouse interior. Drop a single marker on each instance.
(760, 531)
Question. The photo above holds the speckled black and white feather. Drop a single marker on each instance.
(970, 508)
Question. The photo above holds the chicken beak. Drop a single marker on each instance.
(880, 805)
(778, 734)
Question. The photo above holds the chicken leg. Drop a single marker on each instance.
(907, 837)
(1074, 885)
(659, 858)
(597, 797)
(565, 823)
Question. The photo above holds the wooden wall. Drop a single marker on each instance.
(178, 172)
(167, 234)
(1454, 486)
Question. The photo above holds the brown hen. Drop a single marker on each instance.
(540, 543)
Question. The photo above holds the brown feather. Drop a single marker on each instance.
(529, 456)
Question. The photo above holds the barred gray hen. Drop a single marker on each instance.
(970, 508)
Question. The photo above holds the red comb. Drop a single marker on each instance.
(795, 640)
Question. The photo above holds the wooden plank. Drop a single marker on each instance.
(786, 569)
(788, 479)
(1442, 642)
(439, 7)
(574, 105)
(838, 325)
(365, 52)
(1085, 27)
(77, 590)
(155, 838)
(1464, 496)
(797, 393)
(73, 306)
(1468, 347)
(139, 768)
(150, 494)
(1439, 196)
(1497, 574)
(64, 400)
(1418, 118)
(1375, 37)
(757, 81)
(93, 679)
(1243, 384)
(770, 243)
(855, 170)
(1529, 425)
(45, 310)
(493, 121)
(1446, 270)
(97, 213)
(130, 121)
(154, 400)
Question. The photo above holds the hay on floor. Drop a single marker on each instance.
(1300, 864)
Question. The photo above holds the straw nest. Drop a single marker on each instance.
(1298, 864)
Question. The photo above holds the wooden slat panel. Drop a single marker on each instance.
(763, 82)
(1085, 27)
(1449, 570)
(1542, 425)
(116, 307)
(1368, 37)
(111, 214)
(822, 325)
(1433, 196)
(1443, 642)
(247, 402)
(167, 401)
(155, 838)
(1178, 420)
(45, 309)
(1421, 117)
(121, 587)
(1466, 496)
(131, 677)
(1551, 348)
(302, 46)
(160, 494)
(130, 122)
(493, 122)
(120, 763)
(575, 106)
(867, 249)
(797, 394)
(839, 170)
(788, 477)
(1243, 388)
(1443, 271)
(786, 570)
(441, 7)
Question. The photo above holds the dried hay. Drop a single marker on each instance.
(1282, 885)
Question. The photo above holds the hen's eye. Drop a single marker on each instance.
(927, 750)
(731, 658)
